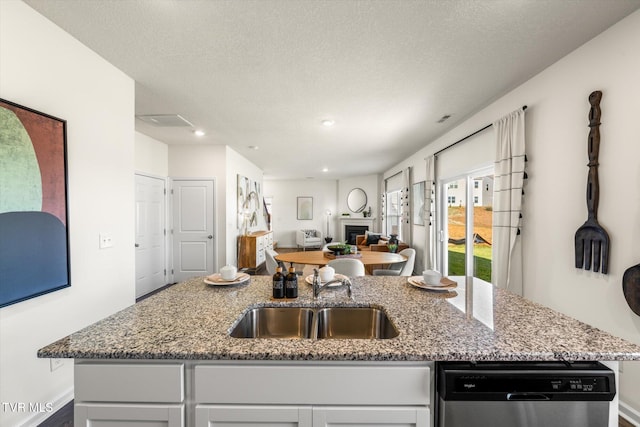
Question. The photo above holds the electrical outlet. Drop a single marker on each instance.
(106, 241)
(55, 364)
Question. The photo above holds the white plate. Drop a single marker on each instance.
(418, 282)
(217, 280)
(309, 279)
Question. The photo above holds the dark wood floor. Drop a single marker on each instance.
(62, 418)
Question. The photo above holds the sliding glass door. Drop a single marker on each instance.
(466, 226)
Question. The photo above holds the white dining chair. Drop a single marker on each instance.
(347, 266)
(400, 269)
(271, 262)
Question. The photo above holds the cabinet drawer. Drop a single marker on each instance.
(313, 384)
(129, 382)
(112, 415)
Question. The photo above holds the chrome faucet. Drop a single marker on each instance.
(317, 287)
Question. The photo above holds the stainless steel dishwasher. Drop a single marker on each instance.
(523, 394)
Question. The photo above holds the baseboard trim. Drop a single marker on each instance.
(58, 403)
(629, 414)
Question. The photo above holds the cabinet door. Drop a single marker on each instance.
(252, 415)
(128, 415)
(417, 416)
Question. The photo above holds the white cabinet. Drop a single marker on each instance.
(128, 415)
(313, 394)
(129, 394)
(194, 393)
(372, 416)
(308, 416)
(253, 415)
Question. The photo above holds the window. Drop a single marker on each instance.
(393, 212)
(467, 225)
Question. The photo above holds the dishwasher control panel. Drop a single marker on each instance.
(510, 384)
(525, 381)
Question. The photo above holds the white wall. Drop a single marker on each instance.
(222, 164)
(44, 68)
(284, 209)
(239, 165)
(370, 186)
(204, 162)
(151, 156)
(555, 204)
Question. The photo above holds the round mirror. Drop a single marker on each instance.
(357, 200)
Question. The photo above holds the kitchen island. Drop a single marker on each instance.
(172, 353)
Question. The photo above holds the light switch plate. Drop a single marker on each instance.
(106, 241)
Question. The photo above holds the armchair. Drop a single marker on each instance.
(309, 239)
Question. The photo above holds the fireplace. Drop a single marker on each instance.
(351, 231)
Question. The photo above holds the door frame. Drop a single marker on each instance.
(167, 223)
(170, 219)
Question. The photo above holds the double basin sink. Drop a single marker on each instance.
(315, 323)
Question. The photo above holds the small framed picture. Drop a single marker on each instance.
(305, 207)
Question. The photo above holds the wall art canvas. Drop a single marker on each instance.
(305, 207)
(249, 195)
(34, 243)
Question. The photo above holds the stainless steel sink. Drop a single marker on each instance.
(354, 322)
(275, 322)
(315, 323)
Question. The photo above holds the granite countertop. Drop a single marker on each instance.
(192, 320)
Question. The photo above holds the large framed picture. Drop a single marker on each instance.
(305, 207)
(34, 239)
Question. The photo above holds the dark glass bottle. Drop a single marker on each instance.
(278, 283)
(291, 284)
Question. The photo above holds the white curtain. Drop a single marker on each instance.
(405, 213)
(429, 215)
(508, 192)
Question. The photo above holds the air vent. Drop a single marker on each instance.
(443, 118)
(165, 120)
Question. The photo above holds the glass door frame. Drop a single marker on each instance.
(442, 258)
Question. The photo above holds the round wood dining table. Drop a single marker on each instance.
(318, 258)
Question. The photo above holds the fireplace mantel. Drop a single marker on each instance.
(349, 220)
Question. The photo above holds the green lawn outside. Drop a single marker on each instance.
(481, 258)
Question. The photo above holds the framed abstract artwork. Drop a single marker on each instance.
(305, 207)
(34, 238)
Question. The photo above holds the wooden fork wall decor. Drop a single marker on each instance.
(592, 240)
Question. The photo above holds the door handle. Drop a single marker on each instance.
(527, 396)
(137, 245)
(209, 236)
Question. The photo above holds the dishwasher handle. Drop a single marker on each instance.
(527, 396)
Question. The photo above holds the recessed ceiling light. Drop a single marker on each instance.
(328, 123)
(325, 169)
(198, 132)
(253, 147)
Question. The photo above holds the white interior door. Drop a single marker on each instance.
(193, 225)
(150, 234)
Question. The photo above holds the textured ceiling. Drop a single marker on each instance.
(265, 73)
